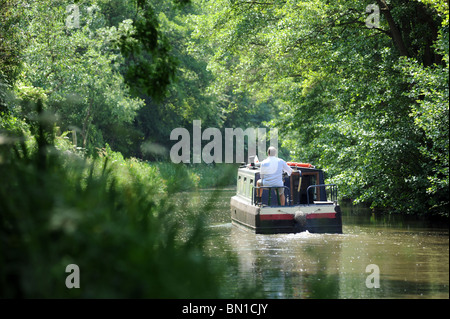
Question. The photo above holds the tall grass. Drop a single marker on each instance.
(111, 217)
(180, 177)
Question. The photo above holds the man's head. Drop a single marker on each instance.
(272, 151)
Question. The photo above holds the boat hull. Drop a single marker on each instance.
(324, 217)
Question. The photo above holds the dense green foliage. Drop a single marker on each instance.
(369, 105)
(66, 196)
(86, 179)
(127, 76)
(120, 230)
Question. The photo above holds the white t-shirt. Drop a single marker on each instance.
(272, 171)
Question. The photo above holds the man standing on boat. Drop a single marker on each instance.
(272, 169)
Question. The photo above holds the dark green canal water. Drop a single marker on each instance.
(412, 256)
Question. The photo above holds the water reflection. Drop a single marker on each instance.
(333, 266)
(413, 259)
(283, 265)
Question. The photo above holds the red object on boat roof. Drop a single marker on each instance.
(306, 165)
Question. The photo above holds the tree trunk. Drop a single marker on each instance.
(86, 124)
(395, 31)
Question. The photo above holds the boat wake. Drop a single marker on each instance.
(304, 234)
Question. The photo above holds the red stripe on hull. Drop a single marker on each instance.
(321, 215)
(276, 217)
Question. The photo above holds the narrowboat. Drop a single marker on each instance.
(310, 204)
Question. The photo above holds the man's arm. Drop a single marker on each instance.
(286, 168)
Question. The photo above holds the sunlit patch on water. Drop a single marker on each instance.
(224, 225)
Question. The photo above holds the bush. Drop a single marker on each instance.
(108, 216)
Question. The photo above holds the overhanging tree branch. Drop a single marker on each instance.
(356, 21)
